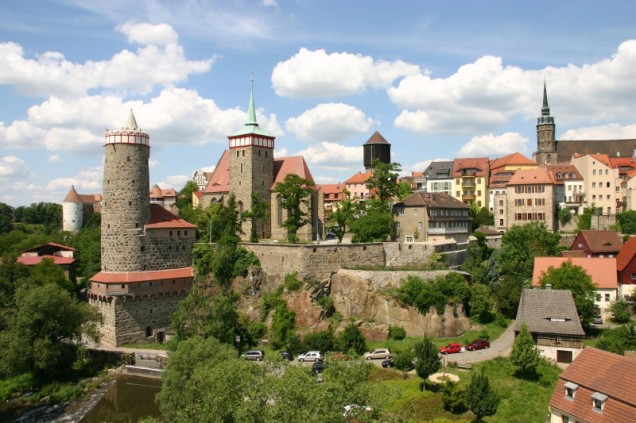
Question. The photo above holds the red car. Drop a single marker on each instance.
(478, 344)
(451, 348)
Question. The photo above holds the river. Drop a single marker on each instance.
(127, 399)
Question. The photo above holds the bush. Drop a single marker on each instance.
(15, 385)
(397, 332)
(66, 393)
(454, 398)
(501, 320)
(325, 302)
(291, 282)
(320, 341)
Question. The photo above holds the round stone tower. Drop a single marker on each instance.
(72, 212)
(126, 201)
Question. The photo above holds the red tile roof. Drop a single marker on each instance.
(601, 270)
(33, 260)
(626, 254)
(599, 242)
(219, 182)
(599, 371)
(50, 244)
(162, 218)
(359, 178)
(290, 165)
(510, 159)
(332, 192)
(150, 275)
(531, 176)
(559, 171)
(478, 163)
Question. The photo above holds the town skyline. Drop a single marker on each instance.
(437, 81)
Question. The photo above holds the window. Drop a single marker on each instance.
(565, 419)
(420, 225)
(634, 276)
(501, 202)
(409, 239)
(593, 184)
(607, 297)
(501, 222)
(598, 401)
(456, 193)
(607, 185)
(415, 212)
(402, 212)
(594, 172)
(607, 172)
(570, 389)
(598, 297)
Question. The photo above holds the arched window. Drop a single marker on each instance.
(240, 207)
(279, 210)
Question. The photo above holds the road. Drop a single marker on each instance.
(500, 347)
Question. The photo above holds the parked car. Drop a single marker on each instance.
(353, 409)
(286, 355)
(598, 320)
(391, 363)
(318, 367)
(310, 356)
(478, 344)
(254, 355)
(451, 348)
(380, 353)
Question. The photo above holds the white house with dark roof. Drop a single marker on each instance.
(552, 319)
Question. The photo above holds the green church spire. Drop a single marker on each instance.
(251, 125)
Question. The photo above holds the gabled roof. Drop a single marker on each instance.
(597, 371)
(291, 165)
(359, 178)
(562, 172)
(33, 260)
(626, 254)
(219, 182)
(573, 253)
(478, 163)
(567, 148)
(600, 242)
(440, 169)
(162, 218)
(376, 138)
(432, 200)
(601, 270)
(548, 311)
(149, 275)
(531, 176)
(50, 246)
(511, 159)
(329, 189)
(155, 192)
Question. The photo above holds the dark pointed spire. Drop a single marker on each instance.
(545, 110)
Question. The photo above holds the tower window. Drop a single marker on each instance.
(130, 203)
(266, 154)
(127, 158)
(243, 153)
(237, 153)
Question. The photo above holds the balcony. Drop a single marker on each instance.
(576, 198)
(468, 183)
(444, 231)
(468, 197)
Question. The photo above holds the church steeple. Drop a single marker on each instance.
(251, 125)
(546, 141)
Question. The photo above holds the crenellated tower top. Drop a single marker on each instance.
(128, 134)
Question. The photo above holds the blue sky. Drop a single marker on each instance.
(438, 79)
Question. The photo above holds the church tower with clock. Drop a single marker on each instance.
(546, 142)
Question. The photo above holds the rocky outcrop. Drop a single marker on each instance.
(362, 295)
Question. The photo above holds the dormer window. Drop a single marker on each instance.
(598, 401)
(570, 389)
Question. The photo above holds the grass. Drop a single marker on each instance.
(522, 400)
(494, 332)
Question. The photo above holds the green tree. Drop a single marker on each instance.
(6, 218)
(427, 360)
(481, 216)
(41, 328)
(404, 190)
(525, 354)
(351, 339)
(283, 323)
(454, 398)
(520, 245)
(481, 399)
(184, 197)
(383, 184)
(619, 340)
(87, 245)
(404, 360)
(372, 226)
(564, 215)
(620, 311)
(576, 280)
(584, 221)
(344, 215)
(212, 314)
(255, 215)
(481, 303)
(295, 193)
(48, 272)
(627, 221)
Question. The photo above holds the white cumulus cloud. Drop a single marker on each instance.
(320, 74)
(329, 122)
(494, 145)
(13, 167)
(332, 156)
(612, 131)
(146, 33)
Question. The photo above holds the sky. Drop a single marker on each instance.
(438, 79)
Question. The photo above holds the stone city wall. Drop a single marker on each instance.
(318, 261)
(127, 320)
(168, 252)
(404, 254)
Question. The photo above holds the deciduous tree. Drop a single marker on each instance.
(427, 360)
(295, 193)
(351, 339)
(576, 280)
